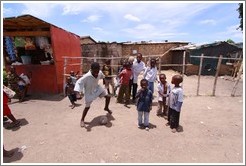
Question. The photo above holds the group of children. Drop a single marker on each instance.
(169, 99)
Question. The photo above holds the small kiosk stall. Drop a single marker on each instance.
(37, 48)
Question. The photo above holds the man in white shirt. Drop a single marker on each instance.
(137, 67)
(88, 84)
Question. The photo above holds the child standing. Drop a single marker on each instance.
(150, 74)
(124, 76)
(144, 104)
(176, 101)
(108, 80)
(70, 93)
(163, 89)
(118, 80)
(137, 67)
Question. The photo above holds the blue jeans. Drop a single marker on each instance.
(146, 118)
(151, 86)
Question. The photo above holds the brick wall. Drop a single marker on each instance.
(122, 50)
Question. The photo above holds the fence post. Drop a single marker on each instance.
(217, 73)
(199, 75)
(95, 58)
(238, 78)
(64, 75)
(159, 65)
(183, 69)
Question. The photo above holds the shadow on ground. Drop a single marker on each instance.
(17, 156)
(96, 122)
(11, 126)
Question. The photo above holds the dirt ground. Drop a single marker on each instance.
(212, 129)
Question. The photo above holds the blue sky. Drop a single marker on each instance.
(194, 22)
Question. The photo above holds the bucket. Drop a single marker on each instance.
(26, 59)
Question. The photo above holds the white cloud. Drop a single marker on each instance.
(231, 32)
(132, 18)
(145, 27)
(7, 11)
(150, 32)
(97, 29)
(208, 21)
(234, 31)
(41, 10)
(92, 18)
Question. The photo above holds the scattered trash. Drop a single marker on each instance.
(209, 107)
(41, 143)
(21, 149)
(201, 122)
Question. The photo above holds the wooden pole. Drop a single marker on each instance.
(238, 78)
(199, 75)
(64, 76)
(159, 65)
(217, 73)
(183, 69)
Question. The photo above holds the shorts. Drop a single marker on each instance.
(108, 81)
(100, 92)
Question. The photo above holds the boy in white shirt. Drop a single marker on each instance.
(88, 84)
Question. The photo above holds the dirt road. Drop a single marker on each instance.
(212, 130)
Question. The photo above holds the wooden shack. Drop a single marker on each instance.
(37, 48)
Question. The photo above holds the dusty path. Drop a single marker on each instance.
(212, 130)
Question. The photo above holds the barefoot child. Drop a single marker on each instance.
(88, 84)
(163, 89)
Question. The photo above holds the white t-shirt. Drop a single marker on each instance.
(175, 96)
(160, 88)
(88, 84)
(136, 69)
(150, 74)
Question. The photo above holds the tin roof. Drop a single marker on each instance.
(25, 22)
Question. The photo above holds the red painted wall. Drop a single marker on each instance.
(64, 44)
(43, 78)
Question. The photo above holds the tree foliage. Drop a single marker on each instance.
(230, 41)
(240, 10)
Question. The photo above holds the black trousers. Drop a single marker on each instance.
(134, 91)
(174, 119)
(130, 86)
